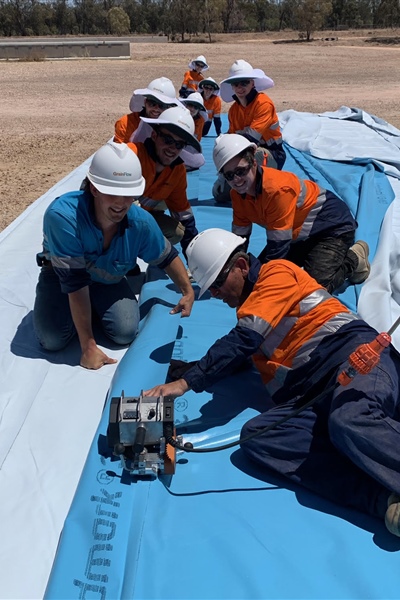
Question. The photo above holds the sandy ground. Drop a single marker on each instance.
(54, 114)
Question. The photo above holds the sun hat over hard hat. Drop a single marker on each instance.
(243, 70)
(161, 89)
(210, 81)
(227, 146)
(179, 121)
(115, 170)
(207, 254)
(201, 59)
(197, 100)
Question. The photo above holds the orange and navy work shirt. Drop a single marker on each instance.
(289, 209)
(191, 80)
(258, 119)
(213, 106)
(126, 126)
(166, 189)
(292, 313)
(289, 325)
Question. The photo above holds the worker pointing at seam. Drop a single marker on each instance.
(303, 223)
(346, 446)
(91, 240)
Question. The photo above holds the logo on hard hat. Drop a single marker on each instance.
(124, 174)
(186, 125)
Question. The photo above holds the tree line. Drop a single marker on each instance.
(180, 19)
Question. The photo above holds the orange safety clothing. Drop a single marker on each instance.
(290, 209)
(293, 313)
(198, 126)
(126, 126)
(191, 80)
(167, 187)
(213, 106)
(258, 119)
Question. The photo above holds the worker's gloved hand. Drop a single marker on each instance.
(177, 368)
(218, 186)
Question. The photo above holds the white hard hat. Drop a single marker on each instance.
(207, 254)
(227, 146)
(162, 89)
(115, 169)
(197, 99)
(179, 121)
(209, 81)
(201, 59)
(243, 70)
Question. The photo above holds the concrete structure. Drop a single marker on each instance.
(58, 49)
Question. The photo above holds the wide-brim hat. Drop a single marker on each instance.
(181, 124)
(156, 90)
(210, 81)
(201, 59)
(197, 100)
(243, 70)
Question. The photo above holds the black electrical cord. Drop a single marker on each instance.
(188, 447)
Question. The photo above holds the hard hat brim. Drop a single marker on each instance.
(136, 190)
(139, 96)
(261, 82)
(185, 135)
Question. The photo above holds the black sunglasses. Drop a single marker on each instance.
(208, 87)
(156, 104)
(222, 277)
(193, 105)
(238, 172)
(199, 64)
(241, 82)
(170, 141)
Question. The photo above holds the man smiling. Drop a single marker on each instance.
(165, 173)
(304, 223)
(92, 239)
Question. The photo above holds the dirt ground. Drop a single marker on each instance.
(57, 113)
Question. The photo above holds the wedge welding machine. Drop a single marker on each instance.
(138, 430)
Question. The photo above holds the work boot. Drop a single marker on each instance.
(361, 250)
(392, 516)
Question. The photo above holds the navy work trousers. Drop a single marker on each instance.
(346, 447)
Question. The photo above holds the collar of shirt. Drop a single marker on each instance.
(252, 277)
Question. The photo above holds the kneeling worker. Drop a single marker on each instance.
(165, 173)
(345, 447)
(92, 238)
(304, 223)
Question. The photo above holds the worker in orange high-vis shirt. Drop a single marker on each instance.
(149, 102)
(193, 76)
(345, 446)
(253, 115)
(303, 222)
(209, 89)
(195, 105)
(165, 173)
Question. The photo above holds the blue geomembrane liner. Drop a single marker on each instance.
(220, 528)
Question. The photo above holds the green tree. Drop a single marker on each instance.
(118, 21)
(310, 15)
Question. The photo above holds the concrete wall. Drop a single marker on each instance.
(14, 50)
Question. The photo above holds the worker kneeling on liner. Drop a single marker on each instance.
(304, 223)
(92, 239)
(346, 446)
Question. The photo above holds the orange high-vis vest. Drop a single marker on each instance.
(213, 106)
(258, 118)
(125, 127)
(293, 313)
(191, 80)
(167, 187)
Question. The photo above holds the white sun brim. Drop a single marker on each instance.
(261, 82)
(138, 97)
(185, 135)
